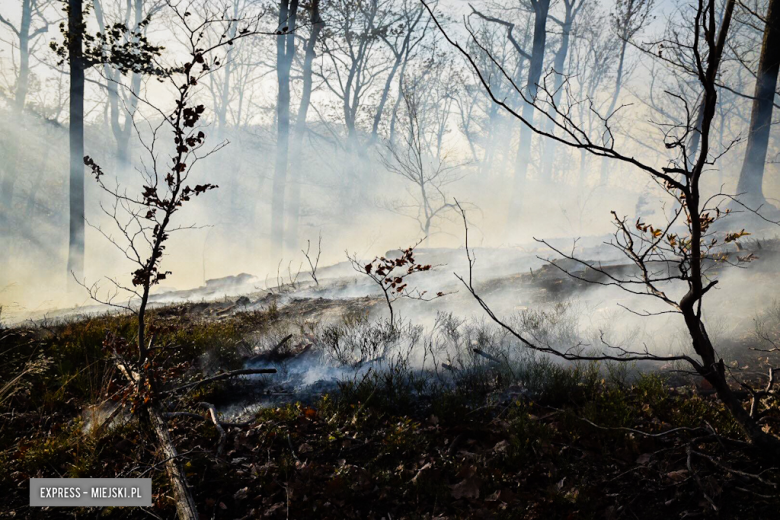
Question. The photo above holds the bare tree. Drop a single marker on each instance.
(402, 42)
(130, 26)
(591, 61)
(628, 18)
(482, 121)
(752, 174)
(434, 97)
(571, 10)
(294, 210)
(285, 54)
(540, 9)
(314, 261)
(666, 259)
(221, 83)
(354, 59)
(27, 33)
(428, 175)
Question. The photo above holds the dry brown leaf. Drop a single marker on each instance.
(644, 459)
(467, 488)
(678, 476)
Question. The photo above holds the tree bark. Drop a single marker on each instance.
(285, 51)
(713, 370)
(752, 175)
(76, 189)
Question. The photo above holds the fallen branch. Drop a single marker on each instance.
(197, 416)
(640, 432)
(736, 471)
(698, 481)
(220, 377)
(191, 415)
(108, 420)
(486, 356)
(272, 354)
(185, 503)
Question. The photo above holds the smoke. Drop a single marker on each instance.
(229, 234)
(351, 199)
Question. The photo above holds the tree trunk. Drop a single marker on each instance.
(20, 97)
(222, 107)
(523, 160)
(613, 103)
(22, 83)
(752, 175)
(491, 143)
(713, 370)
(385, 94)
(711, 367)
(291, 234)
(693, 143)
(76, 198)
(401, 57)
(285, 50)
(399, 98)
(122, 133)
(559, 64)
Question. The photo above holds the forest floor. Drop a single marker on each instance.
(521, 437)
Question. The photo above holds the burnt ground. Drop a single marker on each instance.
(378, 448)
(583, 441)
